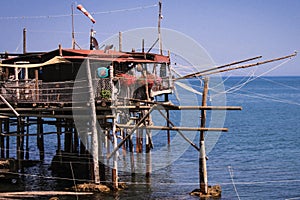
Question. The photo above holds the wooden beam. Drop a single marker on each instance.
(174, 107)
(174, 128)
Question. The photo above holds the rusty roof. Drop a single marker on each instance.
(81, 55)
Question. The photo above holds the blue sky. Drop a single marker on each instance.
(229, 30)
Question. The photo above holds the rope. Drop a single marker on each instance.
(69, 15)
(250, 79)
(231, 176)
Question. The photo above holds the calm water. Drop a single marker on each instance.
(262, 149)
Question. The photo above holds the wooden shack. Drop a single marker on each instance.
(47, 78)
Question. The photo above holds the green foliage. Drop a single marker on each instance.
(105, 94)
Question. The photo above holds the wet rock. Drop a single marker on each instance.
(90, 187)
(213, 192)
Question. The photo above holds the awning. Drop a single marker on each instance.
(55, 60)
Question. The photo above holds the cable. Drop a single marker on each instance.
(231, 176)
(69, 15)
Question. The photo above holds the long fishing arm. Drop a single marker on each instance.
(219, 69)
(250, 65)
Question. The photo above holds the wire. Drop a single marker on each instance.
(231, 176)
(69, 15)
(239, 86)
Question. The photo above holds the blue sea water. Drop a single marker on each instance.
(258, 158)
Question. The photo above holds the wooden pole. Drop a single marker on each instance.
(149, 146)
(76, 140)
(115, 159)
(22, 132)
(131, 150)
(114, 132)
(27, 139)
(73, 32)
(100, 153)
(168, 123)
(40, 137)
(9, 106)
(202, 155)
(120, 41)
(1, 140)
(131, 131)
(60, 50)
(36, 74)
(139, 140)
(91, 39)
(218, 67)
(148, 153)
(59, 131)
(210, 72)
(93, 124)
(159, 31)
(18, 138)
(6, 129)
(24, 41)
(68, 137)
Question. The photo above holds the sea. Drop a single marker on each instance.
(258, 158)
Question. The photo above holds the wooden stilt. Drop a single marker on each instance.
(107, 144)
(139, 138)
(168, 116)
(59, 131)
(114, 132)
(1, 140)
(83, 142)
(6, 129)
(18, 138)
(22, 131)
(27, 140)
(131, 150)
(115, 158)
(124, 145)
(76, 141)
(40, 137)
(202, 154)
(68, 136)
(93, 123)
(148, 154)
(100, 153)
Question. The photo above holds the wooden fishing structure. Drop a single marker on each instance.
(114, 89)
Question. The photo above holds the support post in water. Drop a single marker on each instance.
(40, 137)
(202, 156)
(93, 124)
(114, 132)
